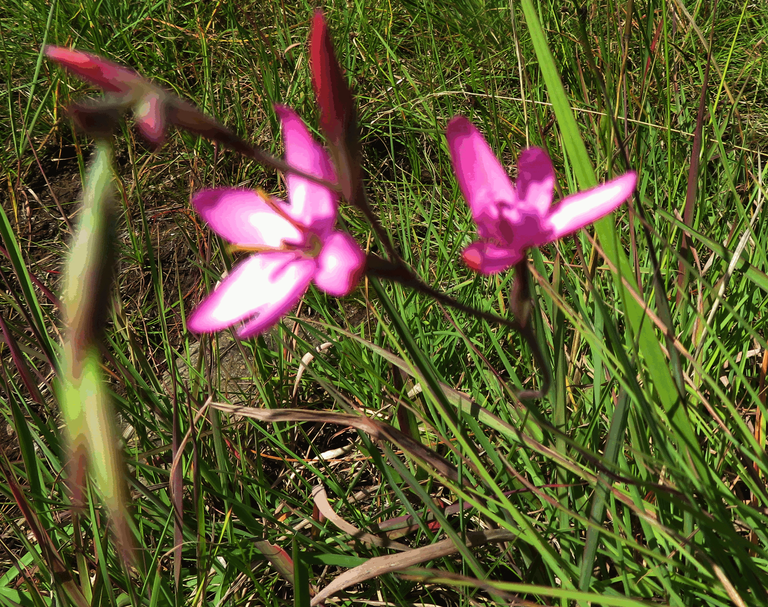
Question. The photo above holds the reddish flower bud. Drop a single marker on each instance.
(96, 70)
(337, 109)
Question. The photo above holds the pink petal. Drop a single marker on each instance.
(312, 205)
(259, 289)
(340, 265)
(576, 211)
(535, 181)
(482, 179)
(94, 69)
(489, 258)
(150, 118)
(243, 217)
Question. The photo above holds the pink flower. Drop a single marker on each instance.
(512, 218)
(295, 243)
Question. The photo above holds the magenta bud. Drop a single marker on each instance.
(95, 70)
(150, 117)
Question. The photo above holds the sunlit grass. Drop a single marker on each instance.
(639, 477)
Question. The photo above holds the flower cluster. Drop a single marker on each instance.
(295, 243)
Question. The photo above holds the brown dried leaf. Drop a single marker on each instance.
(321, 501)
(378, 431)
(397, 562)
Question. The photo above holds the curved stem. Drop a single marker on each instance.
(256, 153)
(398, 272)
(526, 332)
(184, 115)
(381, 233)
(520, 302)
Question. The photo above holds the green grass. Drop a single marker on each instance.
(639, 479)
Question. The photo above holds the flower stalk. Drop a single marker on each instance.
(83, 394)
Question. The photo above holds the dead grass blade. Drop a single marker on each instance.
(397, 562)
(321, 501)
(377, 430)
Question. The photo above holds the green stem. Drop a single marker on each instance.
(398, 272)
